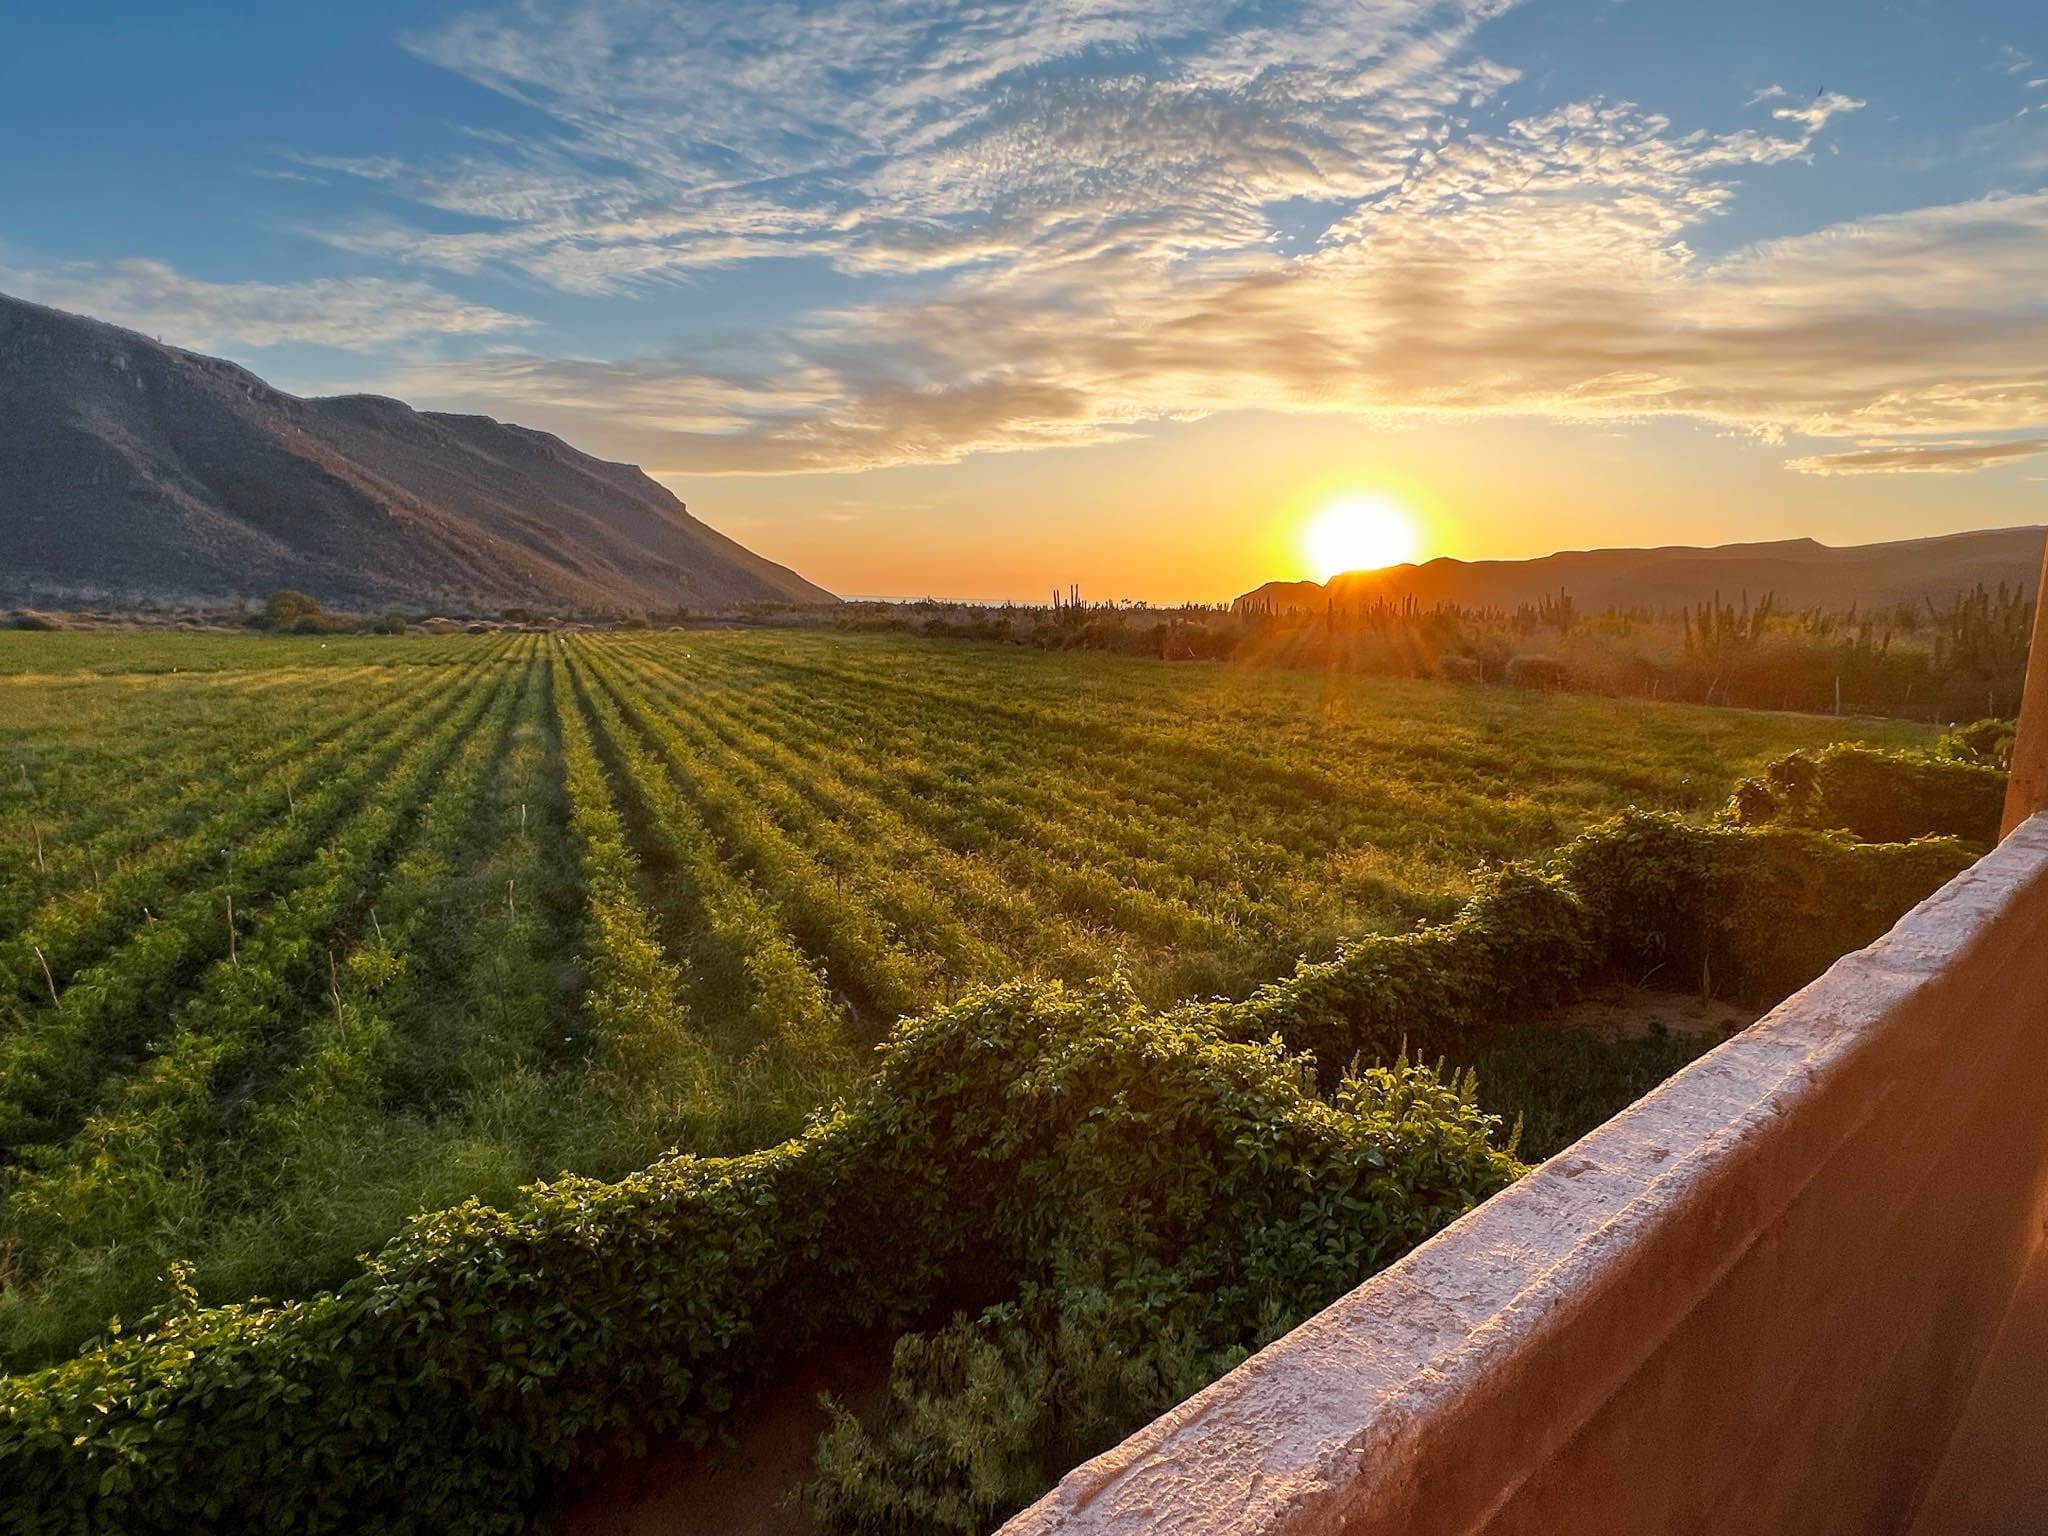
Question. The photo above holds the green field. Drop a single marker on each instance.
(299, 936)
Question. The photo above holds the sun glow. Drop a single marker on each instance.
(1359, 532)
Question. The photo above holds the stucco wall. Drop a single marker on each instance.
(1756, 1302)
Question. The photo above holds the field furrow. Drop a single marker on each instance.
(97, 1023)
(136, 1171)
(633, 990)
(80, 816)
(744, 976)
(1022, 842)
(872, 970)
(69, 929)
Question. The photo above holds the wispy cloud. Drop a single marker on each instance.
(354, 313)
(1070, 205)
(1816, 114)
(1904, 326)
(1542, 267)
(1922, 458)
(901, 135)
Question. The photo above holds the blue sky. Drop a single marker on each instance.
(982, 297)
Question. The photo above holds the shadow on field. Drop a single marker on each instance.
(751, 1482)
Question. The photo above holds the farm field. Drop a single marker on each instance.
(299, 936)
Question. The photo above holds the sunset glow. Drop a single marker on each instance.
(986, 301)
(1359, 532)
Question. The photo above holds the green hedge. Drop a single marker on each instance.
(1748, 914)
(445, 1388)
(1171, 1183)
(1751, 914)
(1880, 797)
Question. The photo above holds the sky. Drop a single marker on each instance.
(981, 299)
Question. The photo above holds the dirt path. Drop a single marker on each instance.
(749, 1487)
(1630, 1013)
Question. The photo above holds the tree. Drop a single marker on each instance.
(288, 608)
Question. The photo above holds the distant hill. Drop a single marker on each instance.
(133, 471)
(1797, 573)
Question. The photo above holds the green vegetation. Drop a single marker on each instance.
(290, 610)
(1917, 662)
(1884, 796)
(301, 936)
(977, 1158)
(1132, 1198)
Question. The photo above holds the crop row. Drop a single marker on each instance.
(138, 1167)
(75, 814)
(96, 1020)
(172, 848)
(897, 917)
(439, 994)
(748, 977)
(1003, 855)
(1088, 842)
(349, 939)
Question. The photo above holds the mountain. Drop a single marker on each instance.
(133, 471)
(1796, 573)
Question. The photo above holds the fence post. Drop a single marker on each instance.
(2026, 790)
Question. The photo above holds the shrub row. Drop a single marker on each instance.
(986, 1413)
(1880, 797)
(1752, 914)
(1171, 1187)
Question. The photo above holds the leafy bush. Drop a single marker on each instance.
(1193, 1227)
(1883, 797)
(1982, 741)
(1748, 914)
(287, 610)
(1520, 944)
(1022, 1123)
(987, 1413)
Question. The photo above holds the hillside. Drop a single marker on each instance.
(132, 471)
(1797, 573)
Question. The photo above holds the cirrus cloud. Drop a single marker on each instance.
(1542, 269)
(1921, 458)
(1071, 211)
(357, 313)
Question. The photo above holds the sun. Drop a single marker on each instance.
(1359, 532)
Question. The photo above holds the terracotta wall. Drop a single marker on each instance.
(1756, 1302)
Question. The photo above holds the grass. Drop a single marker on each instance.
(509, 905)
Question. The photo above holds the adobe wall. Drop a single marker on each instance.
(1755, 1302)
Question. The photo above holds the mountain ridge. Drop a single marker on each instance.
(134, 471)
(1795, 573)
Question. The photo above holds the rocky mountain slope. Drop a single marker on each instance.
(132, 471)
